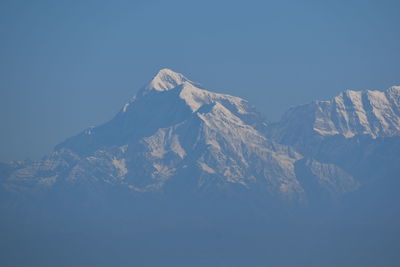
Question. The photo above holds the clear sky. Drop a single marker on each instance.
(66, 65)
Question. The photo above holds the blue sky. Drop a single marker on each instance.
(66, 65)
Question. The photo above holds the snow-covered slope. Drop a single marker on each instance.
(359, 131)
(351, 113)
(174, 134)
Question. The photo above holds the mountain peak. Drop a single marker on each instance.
(352, 113)
(165, 80)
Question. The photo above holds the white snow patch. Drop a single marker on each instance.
(380, 107)
(123, 148)
(165, 80)
(206, 168)
(177, 148)
(162, 171)
(119, 164)
(195, 98)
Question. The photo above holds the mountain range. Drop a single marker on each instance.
(182, 176)
(175, 136)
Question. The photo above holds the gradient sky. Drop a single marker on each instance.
(66, 65)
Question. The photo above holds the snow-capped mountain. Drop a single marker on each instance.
(359, 131)
(174, 135)
(351, 113)
(179, 164)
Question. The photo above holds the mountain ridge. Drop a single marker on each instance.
(173, 133)
(351, 113)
